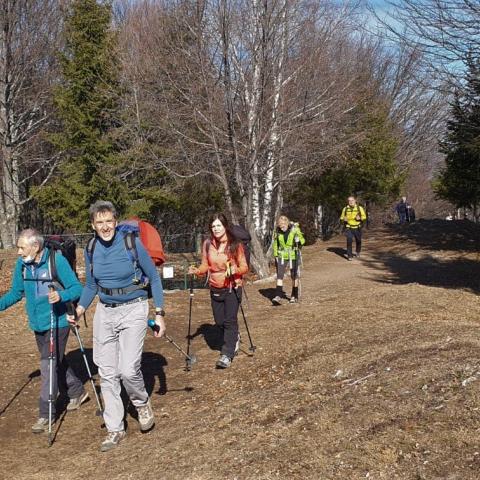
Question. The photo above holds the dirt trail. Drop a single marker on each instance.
(374, 375)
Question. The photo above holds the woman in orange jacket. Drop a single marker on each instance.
(223, 258)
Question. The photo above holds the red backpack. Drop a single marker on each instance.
(148, 235)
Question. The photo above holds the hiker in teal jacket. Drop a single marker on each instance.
(287, 239)
(31, 280)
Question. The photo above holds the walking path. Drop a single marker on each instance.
(373, 375)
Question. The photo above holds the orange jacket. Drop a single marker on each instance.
(214, 261)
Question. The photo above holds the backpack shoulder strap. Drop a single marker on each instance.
(52, 265)
(131, 247)
(90, 248)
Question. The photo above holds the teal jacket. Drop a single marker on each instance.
(285, 249)
(31, 281)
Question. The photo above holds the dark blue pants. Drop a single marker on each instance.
(62, 373)
(353, 233)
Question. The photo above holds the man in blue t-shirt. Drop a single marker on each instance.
(120, 320)
(31, 279)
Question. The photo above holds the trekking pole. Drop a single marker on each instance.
(71, 311)
(189, 336)
(298, 263)
(51, 288)
(252, 347)
(190, 359)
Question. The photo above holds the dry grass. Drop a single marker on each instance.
(374, 375)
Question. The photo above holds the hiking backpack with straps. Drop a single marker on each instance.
(359, 212)
(66, 246)
(131, 229)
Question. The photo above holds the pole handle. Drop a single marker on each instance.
(152, 324)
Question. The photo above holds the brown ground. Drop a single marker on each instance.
(374, 375)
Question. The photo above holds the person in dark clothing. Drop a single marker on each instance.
(223, 258)
(404, 211)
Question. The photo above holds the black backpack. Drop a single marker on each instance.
(65, 246)
(241, 234)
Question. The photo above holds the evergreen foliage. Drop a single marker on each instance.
(370, 171)
(87, 107)
(459, 181)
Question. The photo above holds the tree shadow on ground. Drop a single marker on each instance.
(31, 376)
(429, 271)
(341, 252)
(212, 334)
(456, 235)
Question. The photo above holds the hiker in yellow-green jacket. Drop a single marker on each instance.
(353, 216)
(287, 241)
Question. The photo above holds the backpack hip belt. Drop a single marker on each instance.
(113, 292)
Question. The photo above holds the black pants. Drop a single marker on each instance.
(225, 305)
(62, 373)
(352, 233)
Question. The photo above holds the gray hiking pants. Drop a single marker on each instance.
(118, 336)
(63, 374)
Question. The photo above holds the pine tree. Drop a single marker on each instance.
(87, 106)
(459, 180)
(370, 172)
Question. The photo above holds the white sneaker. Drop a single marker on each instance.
(112, 440)
(277, 300)
(41, 425)
(75, 403)
(223, 362)
(146, 418)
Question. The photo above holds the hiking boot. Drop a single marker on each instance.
(293, 300)
(223, 362)
(74, 403)
(112, 440)
(276, 300)
(145, 417)
(237, 346)
(41, 425)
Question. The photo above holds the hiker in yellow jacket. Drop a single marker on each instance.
(353, 216)
(287, 240)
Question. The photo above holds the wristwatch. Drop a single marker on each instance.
(160, 311)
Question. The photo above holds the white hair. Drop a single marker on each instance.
(32, 236)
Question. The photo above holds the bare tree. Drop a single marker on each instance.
(28, 35)
(252, 93)
(444, 33)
